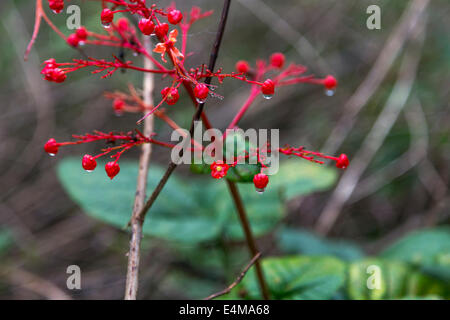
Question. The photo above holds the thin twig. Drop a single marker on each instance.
(235, 282)
(144, 161)
(249, 237)
(378, 133)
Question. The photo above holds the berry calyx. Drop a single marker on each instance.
(242, 66)
(118, 106)
(330, 82)
(112, 168)
(268, 87)
(172, 95)
(174, 16)
(277, 60)
(82, 33)
(201, 92)
(88, 162)
(51, 147)
(57, 6)
(342, 162)
(219, 169)
(107, 16)
(161, 30)
(73, 40)
(260, 181)
(146, 26)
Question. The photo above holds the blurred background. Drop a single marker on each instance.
(390, 115)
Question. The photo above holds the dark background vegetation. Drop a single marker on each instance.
(403, 188)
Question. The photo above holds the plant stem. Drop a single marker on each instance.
(249, 237)
(144, 161)
(212, 62)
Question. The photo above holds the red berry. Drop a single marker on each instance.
(51, 147)
(123, 24)
(342, 162)
(73, 40)
(330, 82)
(268, 87)
(201, 91)
(277, 60)
(88, 162)
(172, 95)
(107, 16)
(260, 181)
(82, 33)
(112, 169)
(161, 30)
(118, 106)
(59, 75)
(175, 16)
(56, 5)
(146, 26)
(242, 66)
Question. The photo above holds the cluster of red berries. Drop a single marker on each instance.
(57, 6)
(146, 25)
(52, 73)
(78, 38)
(219, 169)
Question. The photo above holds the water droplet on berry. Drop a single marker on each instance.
(268, 96)
(260, 191)
(52, 154)
(89, 170)
(57, 11)
(81, 43)
(330, 92)
(106, 25)
(200, 100)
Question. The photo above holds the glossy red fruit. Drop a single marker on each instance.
(330, 82)
(82, 33)
(88, 162)
(51, 147)
(268, 87)
(107, 16)
(242, 66)
(123, 24)
(73, 40)
(277, 60)
(201, 91)
(342, 162)
(172, 95)
(174, 16)
(146, 26)
(118, 106)
(112, 169)
(260, 181)
(161, 30)
(57, 6)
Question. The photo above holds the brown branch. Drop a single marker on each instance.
(172, 166)
(248, 237)
(144, 161)
(235, 282)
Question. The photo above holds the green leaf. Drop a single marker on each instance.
(302, 241)
(191, 212)
(297, 278)
(373, 279)
(429, 249)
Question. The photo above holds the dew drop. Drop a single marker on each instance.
(200, 100)
(106, 25)
(329, 92)
(57, 11)
(52, 154)
(81, 43)
(268, 96)
(135, 54)
(260, 191)
(89, 170)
